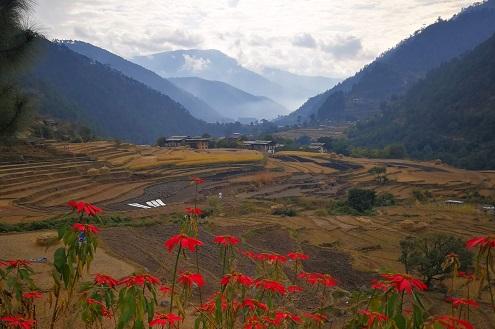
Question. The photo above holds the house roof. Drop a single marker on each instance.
(258, 142)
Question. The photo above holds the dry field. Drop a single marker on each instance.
(313, 133)
(352, 248)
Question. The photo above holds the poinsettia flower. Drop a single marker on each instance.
(450, 322)
(297, 256)
(32, 295)
(184, 241)
(253, 304)
(84, 207)
(380, 285)
(272, 286)
(14, 263)
(139, 280)
(316, 317)
(282, 316)
(226, 240)
(164, 289)
(467, 276)
(481, 241)
(373, 317)
(105, 280)
(197, 180)
(191, 279)
(294, 289)
(17, 322)
(404, 282)
(103, 309)
(456, 302)
(193, 211)
(318, 278)
(164, 319)
(240, 278)
(85, 228)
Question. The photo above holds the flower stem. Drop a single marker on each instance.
(172, 293)
(197, 270)
(488, 278)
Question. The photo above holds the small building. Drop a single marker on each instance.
(319, 147)
(262, 146)
(199, 143)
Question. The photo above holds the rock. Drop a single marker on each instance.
(93, 172)
(104, 170)
(47, 239)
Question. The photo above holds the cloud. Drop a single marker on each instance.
(304, 40)
(343, 47)
(195, 64)
(318, 37)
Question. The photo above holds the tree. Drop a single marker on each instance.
(380, 174)
(360, 199)
(16, 43)
(426, 255)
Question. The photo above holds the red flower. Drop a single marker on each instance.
(226, 240)
(253, 304)
(194, 211)
(191, 279)
(373, 317)
(242, 279)
(197, 180)
(254, 322)
(481, 241)
(85, 228)
(15, 263)
(105, 280)
(17, 322)
(103, 309)
(404, 282)
(163, 319)
(316, 317)
(83, 207)
(380, 285)
(184, 241)
(139, 280)
(318, 278)
(164, 289)
(297, 256)
(271, 285)
(32, 295)
(282, 316)
(456, 302)
(294, 289)
(467, 276)
(450, 322)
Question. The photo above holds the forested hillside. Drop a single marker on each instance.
(450, 114)
(112, 104)
(197, 107)
(396, 70)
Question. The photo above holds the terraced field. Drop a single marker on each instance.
(352, 248)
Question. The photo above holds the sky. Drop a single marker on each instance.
(332, 38)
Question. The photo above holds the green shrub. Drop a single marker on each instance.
(289, 212)
(384, 200)
(360, 199)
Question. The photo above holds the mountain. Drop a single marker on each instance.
(286, 88)
(195, 106)
(399, 68)
(449, 115)
(112, 104)
(298, 88)
(230, 101)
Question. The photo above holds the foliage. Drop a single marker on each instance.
(16, 43)
(360, 199)
(422, 195)
(426, 255)
(337, 145)
(284, 211)
(385, 199)
(459, 93)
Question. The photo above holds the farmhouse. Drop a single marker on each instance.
(199, 143)
(262, 146)
(319, 147)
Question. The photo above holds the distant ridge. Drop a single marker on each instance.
(197, 107)
(397, 69)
